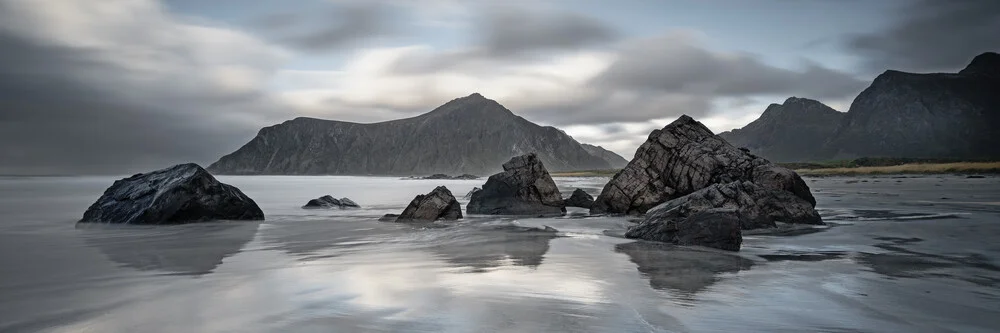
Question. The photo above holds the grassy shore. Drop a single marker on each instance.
(910, 168)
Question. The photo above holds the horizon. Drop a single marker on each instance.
(118, 87)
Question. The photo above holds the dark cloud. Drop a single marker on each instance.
(676, 63)
(932, 36)
(329, 27)
(72, 107)
(511, 31)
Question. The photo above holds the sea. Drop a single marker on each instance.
(898, 254)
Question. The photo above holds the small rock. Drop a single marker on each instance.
(523, 188)
(975, 176)
(580, 198)
(439, 204)
(389, 218)
(329, 202)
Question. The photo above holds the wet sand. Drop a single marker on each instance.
(913, 254)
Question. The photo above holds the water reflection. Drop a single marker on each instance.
(190, 249)
(684, 270)
(480, 247)
(901, 262)
(313, 239)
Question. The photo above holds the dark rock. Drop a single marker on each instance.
(466, 176)
(389, 218)
(183, 193)
(438, 176)
(788, 132)
(716, 228)
(471, 192)
(975, 176)
(327, 201)
(471, 135)
(580, 198)
(523, 188)
(757, 206)
(439, 204)
(684, 157)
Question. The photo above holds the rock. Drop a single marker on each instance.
(471, 192)
(183, 193)
(523, 188)
(715, 228)
(579, 198)
(388, 218)
(438, 176)
(327, 201)
(975, 176)
(439, 204)
(684, 157)
(464, 135)
(466, 176)
(758, 206)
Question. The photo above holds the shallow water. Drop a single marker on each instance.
(899, 255)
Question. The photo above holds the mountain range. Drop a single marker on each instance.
(468, 135)
(935, 115)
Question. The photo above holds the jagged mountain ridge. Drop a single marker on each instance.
(789, 132)
(471, 134)
(933, 115)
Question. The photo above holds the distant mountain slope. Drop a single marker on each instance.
(789, 132)
(616, 161)
(472, 135)
(926, 115)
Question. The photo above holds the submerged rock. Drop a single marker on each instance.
(716, 228)
(438, 176)
(328, 201)
(523, 188)
(684, 157)
(439, 204)
(471, 192)
(183, 193)
(388, 218)
(580, 198)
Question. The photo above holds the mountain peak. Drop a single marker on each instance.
(986, 64)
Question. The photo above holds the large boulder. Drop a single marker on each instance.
(439, 204)
(580, 198)
(183, 193)
(329, 202)
(684, 157)
(523, 188)
(716, 228)
(758, 206)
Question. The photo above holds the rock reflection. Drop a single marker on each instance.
(900, 262)
(488, 246)
(684, 270)
(191, 249)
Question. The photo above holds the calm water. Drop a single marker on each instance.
(900, 255)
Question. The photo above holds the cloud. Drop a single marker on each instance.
(676, 62)
(330, 26)
(511, 30)
(932, 36)
(123, 86)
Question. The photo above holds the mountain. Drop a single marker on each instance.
(471, 134)
(616, 161)
(788, 132)
(925, 115)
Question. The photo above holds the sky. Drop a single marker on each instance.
(125, 86)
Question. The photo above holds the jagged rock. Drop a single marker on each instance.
(439, 204)
(464, 135)
(183, 193)
(580, 198)
(684, 157)
(716, 228)
(758, 206)
(471, 192)
(327, 201)
(523, 188)
(788, 132)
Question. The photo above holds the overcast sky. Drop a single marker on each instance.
(124, 86)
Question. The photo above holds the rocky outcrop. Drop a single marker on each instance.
(682, 158)
(328, 202)
(471, 192)
(616, 161)
(579, 198)
(444, 176)
(179, 194)
(716, 228)
(758, 206)
(523, 188)
(439, 204)
(925, 115)
(470, 135)
(789, 132)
